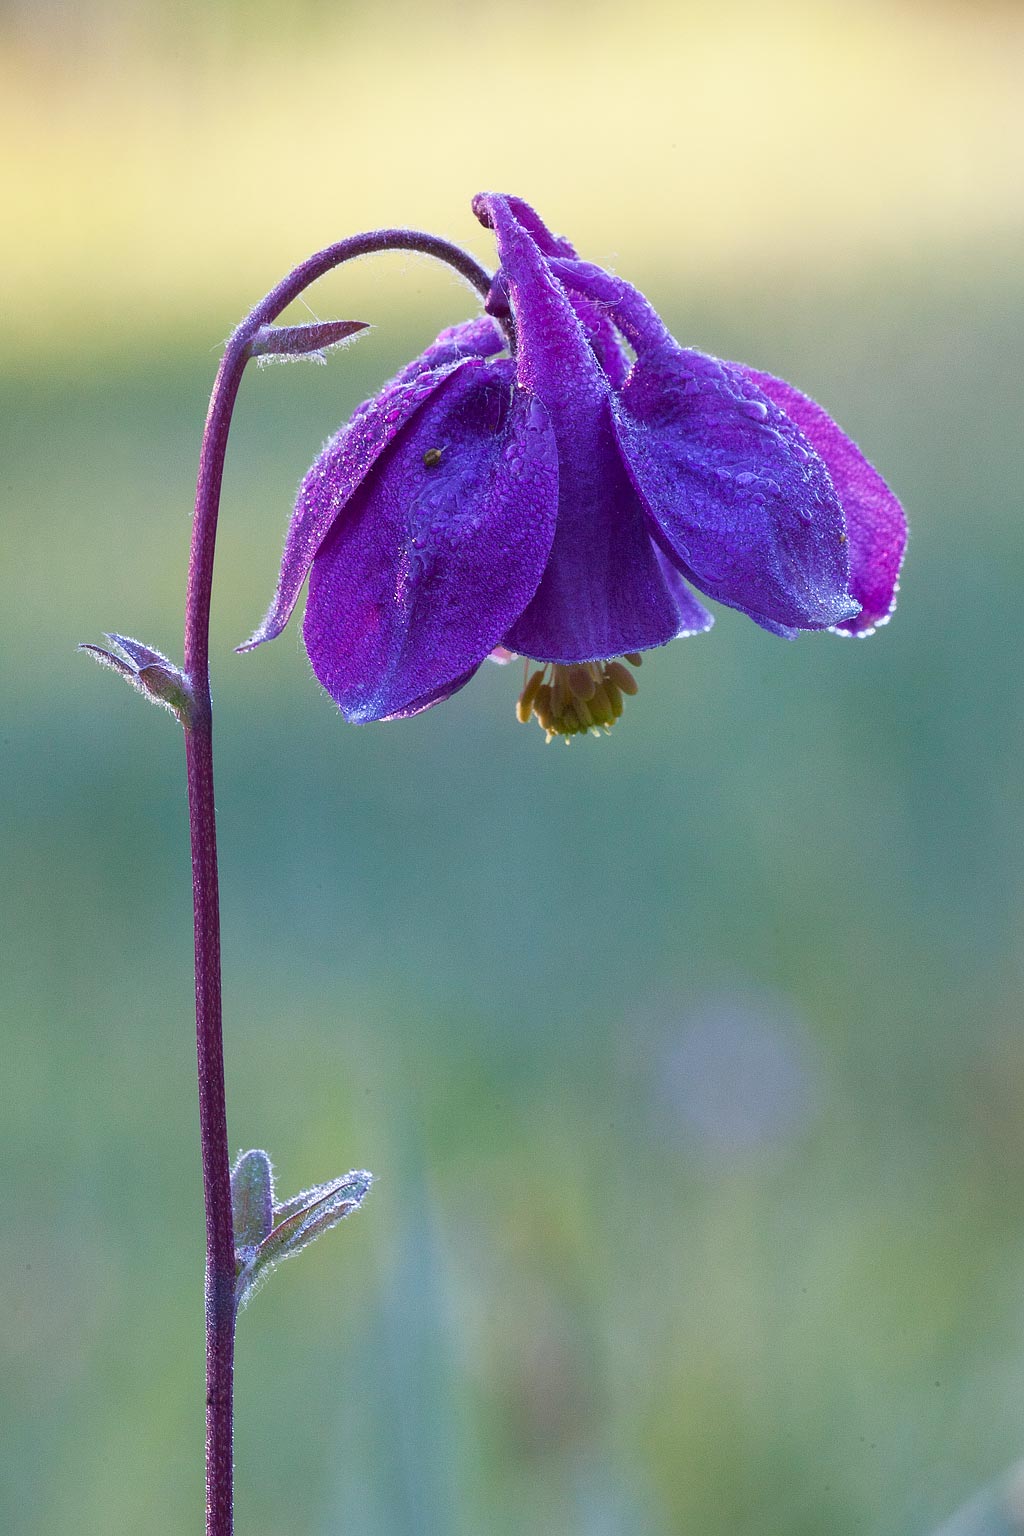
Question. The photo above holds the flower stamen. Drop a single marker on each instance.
(570, 700)
(524, 709)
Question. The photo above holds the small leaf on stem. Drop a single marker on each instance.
(297, 1222)
(252, 1203)
(281, 343)
(148, 671)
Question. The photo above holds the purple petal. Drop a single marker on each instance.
(694, 617)
(604, 592)
(436, 556)
(594, 294)
(635, 316)
(736, 494)
(352, 452)
(435, 696)
(546, 242)
(875, 524)
(738, 499)
(598, 328)
(553, 355)
(481, 337)
(600, 332)
(603, 339)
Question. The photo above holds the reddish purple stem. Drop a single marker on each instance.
(220, 1251)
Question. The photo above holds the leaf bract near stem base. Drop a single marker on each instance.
(147, 671)
(267, 1232)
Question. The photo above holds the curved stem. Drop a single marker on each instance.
(220, 1251)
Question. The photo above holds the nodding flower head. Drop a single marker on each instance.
(524, 487)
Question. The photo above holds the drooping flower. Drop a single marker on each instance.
(556, 502)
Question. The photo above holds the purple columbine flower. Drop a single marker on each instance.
(556, 502)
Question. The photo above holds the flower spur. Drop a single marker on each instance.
(559, 502)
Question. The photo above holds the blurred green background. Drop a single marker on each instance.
(689, 1061)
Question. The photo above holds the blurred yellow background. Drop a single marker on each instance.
(689, 1061)
(168, 159)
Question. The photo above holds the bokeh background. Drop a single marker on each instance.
(689, 1061)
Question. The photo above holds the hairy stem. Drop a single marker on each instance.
(220, 1253)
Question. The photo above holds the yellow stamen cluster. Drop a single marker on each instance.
(571, 700)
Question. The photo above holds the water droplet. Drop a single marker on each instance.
(707, 565)
(755, 409)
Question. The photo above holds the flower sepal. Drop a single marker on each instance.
(149, 672)
(267, 1231)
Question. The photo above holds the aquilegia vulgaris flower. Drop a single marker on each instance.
(525, 487)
